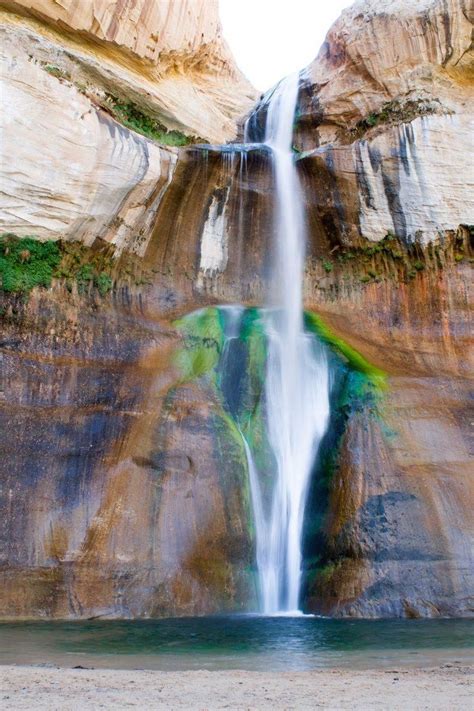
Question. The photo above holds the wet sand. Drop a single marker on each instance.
(449, 687)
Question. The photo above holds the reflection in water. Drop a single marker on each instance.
(239, 642)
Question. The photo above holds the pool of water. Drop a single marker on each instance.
(239, 642)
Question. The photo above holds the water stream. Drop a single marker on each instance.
(297, 378)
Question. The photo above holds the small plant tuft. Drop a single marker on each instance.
(57, 72)
(103, 282)
(394, 112)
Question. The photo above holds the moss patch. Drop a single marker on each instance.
(236, 377)
(27, 262)
(355, 360)
(235, 371)
(357, 391)
(203, 341)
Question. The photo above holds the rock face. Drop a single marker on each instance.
(118, 498)
(91, 177)
(68, 169)
(396, 537)
(385, 122)
(126, 490)
(412, 180)
(170, 58)
(411, 53)
(385, 125)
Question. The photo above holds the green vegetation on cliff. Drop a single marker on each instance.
(356, 395)
(126, 112)
(26, 263)
(227, 351)
(57, 72)
(395, 112)
(131, 116)
(358, 387)
(238, 380)
(391, 259)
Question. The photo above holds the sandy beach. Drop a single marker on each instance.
(29, 687)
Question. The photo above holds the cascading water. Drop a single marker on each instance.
(297, 379)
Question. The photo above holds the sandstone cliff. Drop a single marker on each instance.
(125, 492)
(389, 57)
(72, 75)
(168, 57)
(385, 120)
(400, 77)
(386, 126)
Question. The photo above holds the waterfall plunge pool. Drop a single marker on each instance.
(247, 642)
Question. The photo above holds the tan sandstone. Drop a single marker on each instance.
(169, 57)
(395, 49)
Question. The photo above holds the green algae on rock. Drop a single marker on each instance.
(233, 364)
(315, 324)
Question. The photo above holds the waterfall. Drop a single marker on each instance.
(297, 379)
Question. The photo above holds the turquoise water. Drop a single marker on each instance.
(239, 642)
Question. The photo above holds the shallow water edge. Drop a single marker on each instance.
(242, 642)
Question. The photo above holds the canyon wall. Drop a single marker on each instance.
(67, 72)
(385, 128)
(116, 499)
(168, 58)
(124, 482)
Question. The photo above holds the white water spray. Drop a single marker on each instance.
(297, 380)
